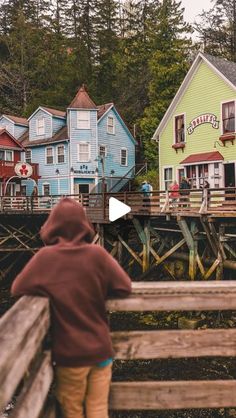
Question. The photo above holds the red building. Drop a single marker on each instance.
(11, 153)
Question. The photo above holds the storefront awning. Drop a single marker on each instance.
(204, 157)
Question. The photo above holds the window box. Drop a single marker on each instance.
(227, 137)
(180, 145)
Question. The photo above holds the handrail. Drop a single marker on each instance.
(24, 326)
(128, 172)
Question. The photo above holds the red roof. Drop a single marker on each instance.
(16, 142)
(103, 108)
(82, 100)
(18, 120)
(204, 157)
(55, 112)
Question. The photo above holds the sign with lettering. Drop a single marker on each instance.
(200, 120)
(23, 170)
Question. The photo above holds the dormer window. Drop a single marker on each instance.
(110, 125)
(179, 129)
(83, 119)
(40, 126)
(228, 117)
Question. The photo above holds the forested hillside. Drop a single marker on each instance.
(133, 52)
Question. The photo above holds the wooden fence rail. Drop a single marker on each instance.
(25, 368)
(219, 201)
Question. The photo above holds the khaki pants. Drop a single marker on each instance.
(83, 387)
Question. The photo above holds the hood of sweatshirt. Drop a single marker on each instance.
(67, 222)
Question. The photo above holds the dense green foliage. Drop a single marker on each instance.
(217, 29)
(132, 52)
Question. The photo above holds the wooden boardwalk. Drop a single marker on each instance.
(24, 362)
(211, 202)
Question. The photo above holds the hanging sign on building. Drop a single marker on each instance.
(200, 120)
(23, 170)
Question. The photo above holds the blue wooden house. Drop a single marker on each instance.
(86, 149)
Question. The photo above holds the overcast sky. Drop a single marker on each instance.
(194, 7)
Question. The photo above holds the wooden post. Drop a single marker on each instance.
(146, 246)
(192, 245)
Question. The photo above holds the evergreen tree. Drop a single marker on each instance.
(217, 29)
(106, 36)
(168, 64)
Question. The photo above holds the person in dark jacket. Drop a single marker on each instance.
(77, 277)
(184, 192)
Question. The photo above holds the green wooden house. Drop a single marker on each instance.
(197, 134)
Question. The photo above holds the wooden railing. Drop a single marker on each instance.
(25, 367)
(208, 201)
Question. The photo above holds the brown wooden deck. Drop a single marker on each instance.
(214, 203)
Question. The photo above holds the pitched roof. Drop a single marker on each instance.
(203, 157)
(17, 142)
(61, 135)
(55, 112)
(227, 68)
(18, 120)
(103, 109)
(82, 100)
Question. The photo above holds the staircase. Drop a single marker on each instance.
(125, 183)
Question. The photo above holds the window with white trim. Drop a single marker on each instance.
(102, 150)
(168, 177)
(110, 125)
(83, 119)
(49, 155)
(84, 152)
(60, 154)
(28, 156)
(228, 117)
(179, 129)
(2, 155)
(40, 126)
(46, 189)
(124, 157)
(9, 155)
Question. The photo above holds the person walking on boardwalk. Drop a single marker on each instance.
(184, 192)
(146, 189)
(77, 277)
(174, 193)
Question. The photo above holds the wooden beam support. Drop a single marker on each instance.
(132, 252)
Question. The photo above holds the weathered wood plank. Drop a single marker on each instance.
(172, 395)
(22, 330)
(133, 345)
(32, 398)
(177, 296)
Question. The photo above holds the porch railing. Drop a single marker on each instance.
(207, 201)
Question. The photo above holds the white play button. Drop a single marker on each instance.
(117, 209)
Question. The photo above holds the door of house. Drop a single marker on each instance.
(81, 188)
(229, 171)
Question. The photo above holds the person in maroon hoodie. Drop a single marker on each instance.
(77, 277)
